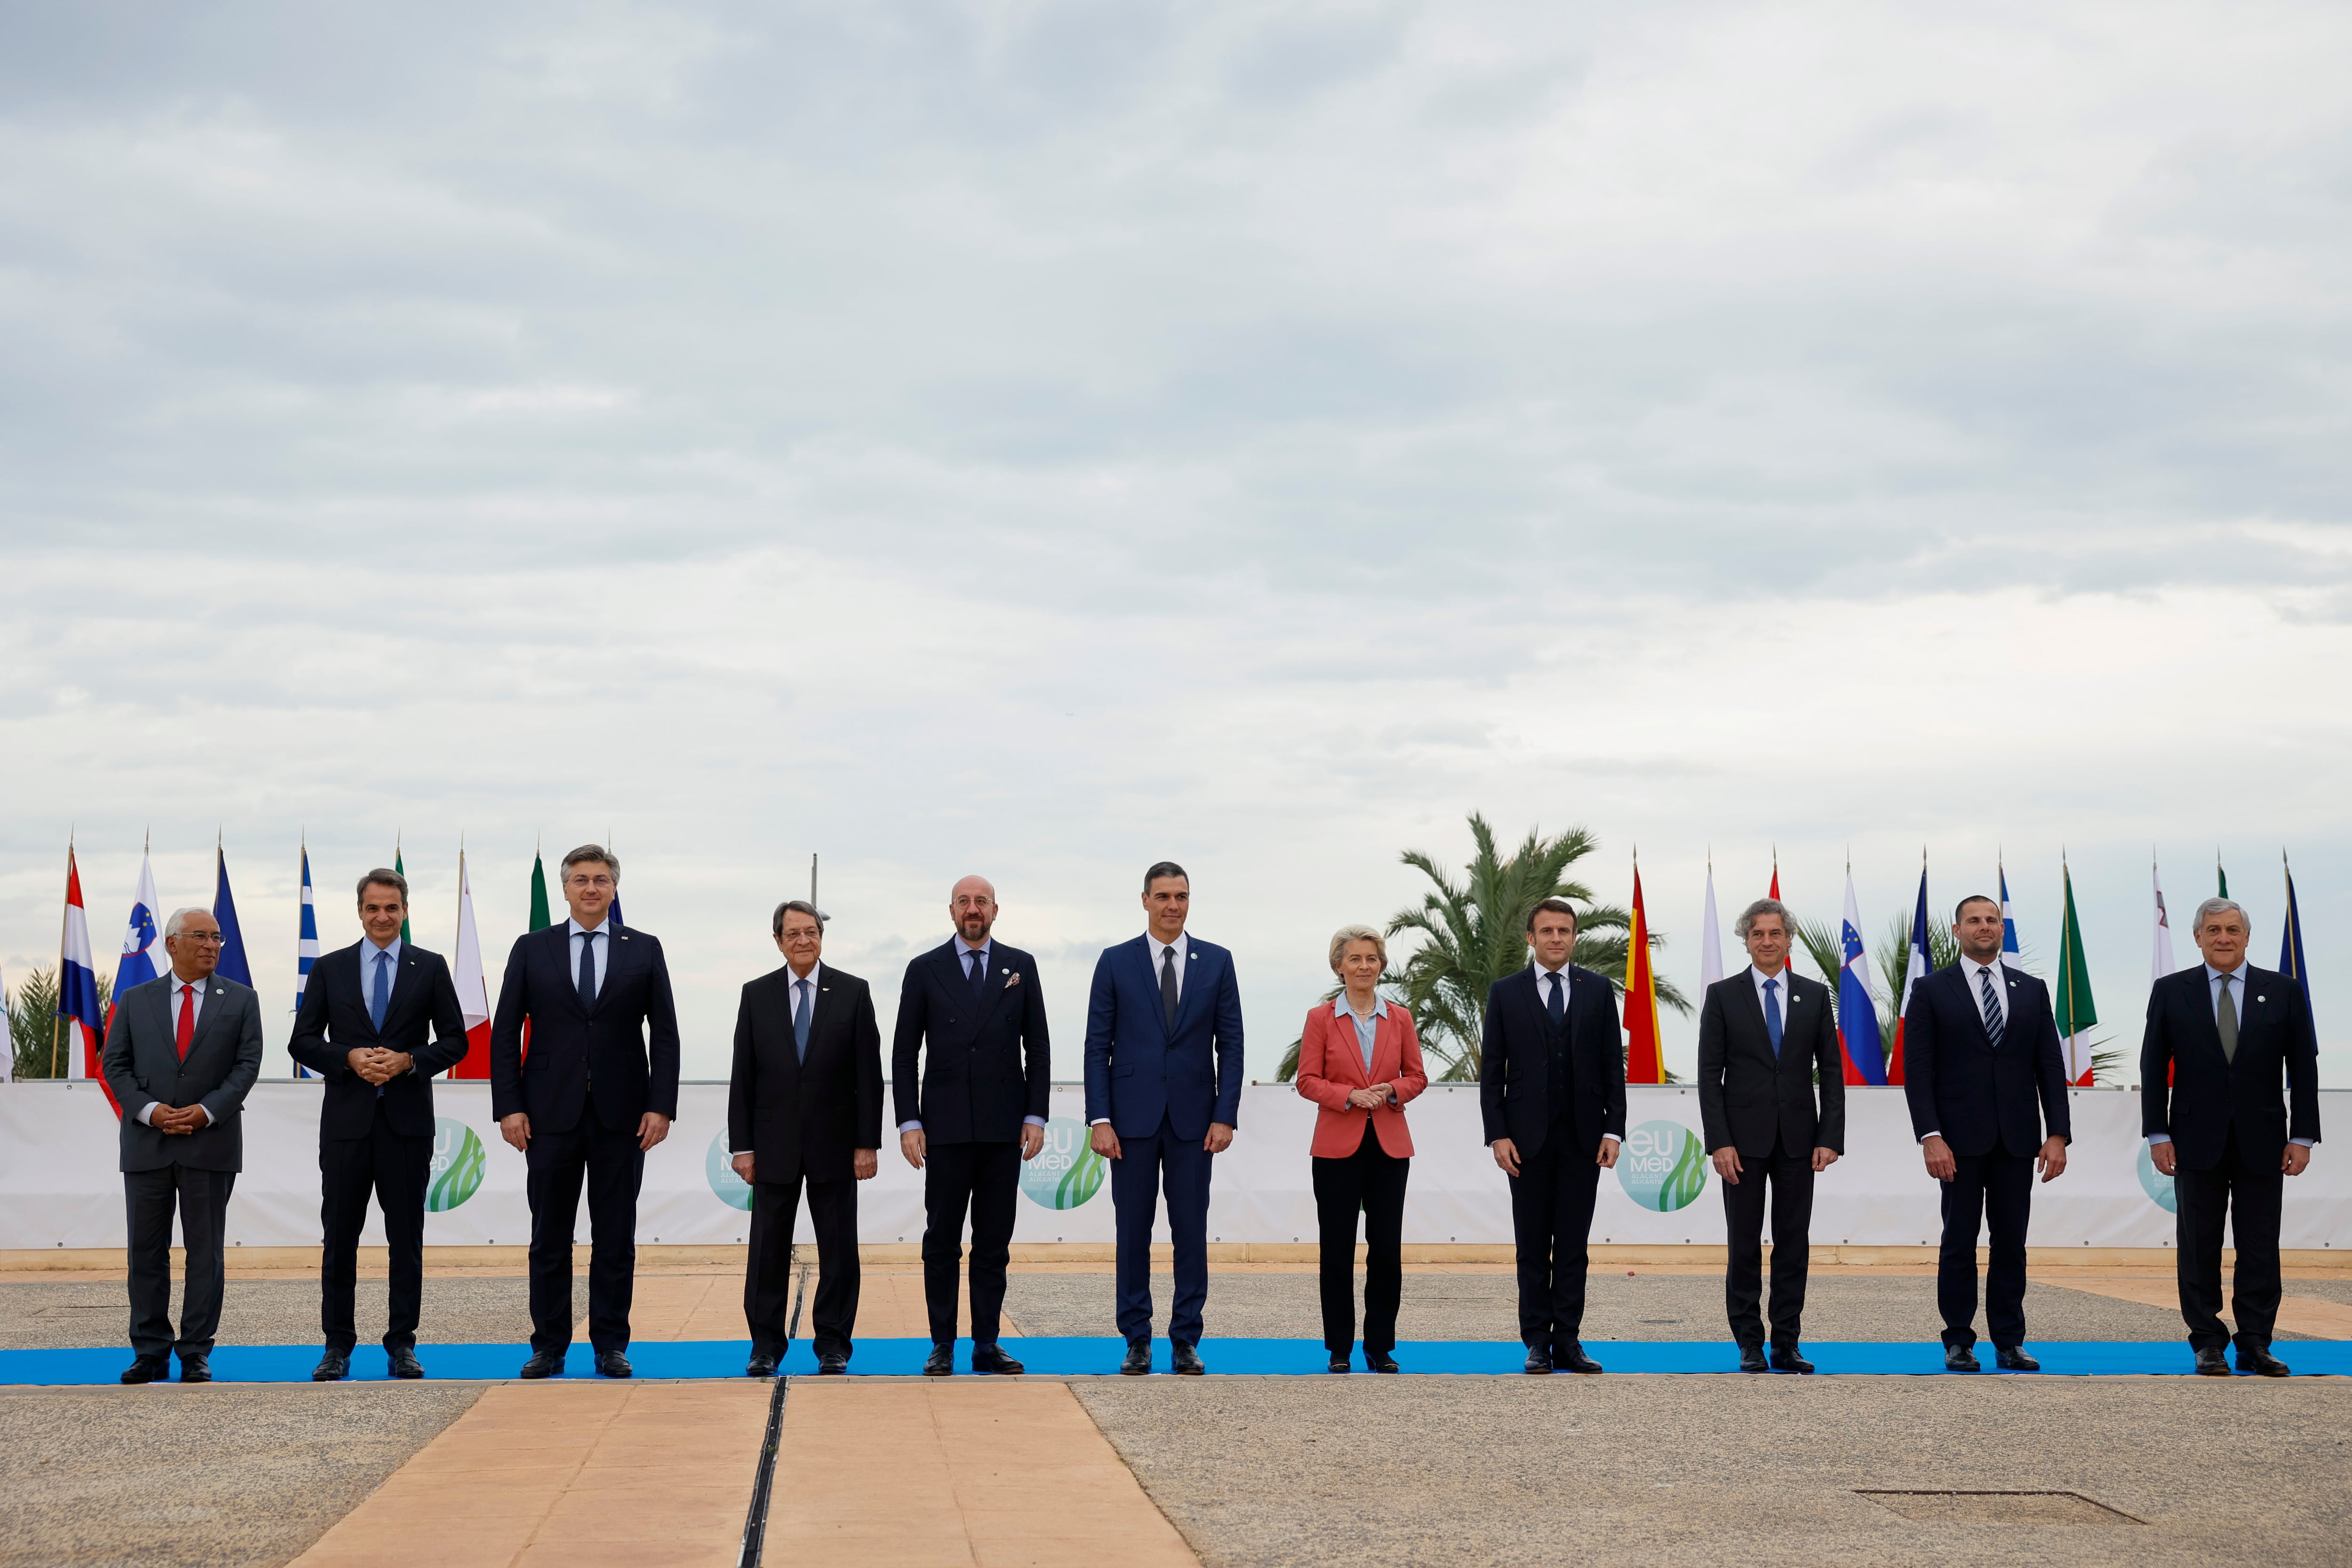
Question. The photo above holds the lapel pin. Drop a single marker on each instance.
(2262, 999)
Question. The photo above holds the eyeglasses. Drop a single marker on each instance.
(211, 937)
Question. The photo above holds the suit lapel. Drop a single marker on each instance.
(1188, 989)
(216, 1008)
(162, 1008)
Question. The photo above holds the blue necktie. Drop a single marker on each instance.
(1772, 1015)
(380, 1000)
(1558, 999)
(588, 969)
(801, 1019)
(978, 972)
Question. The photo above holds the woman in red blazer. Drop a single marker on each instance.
(1360, 1059)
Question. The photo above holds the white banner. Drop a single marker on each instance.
(60, 1187)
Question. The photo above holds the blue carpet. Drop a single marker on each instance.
(1079, 1357)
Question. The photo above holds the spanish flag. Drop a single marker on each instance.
(1643, 1061)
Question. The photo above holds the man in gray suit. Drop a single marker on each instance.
(181, 1055)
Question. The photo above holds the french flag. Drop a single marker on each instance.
(1865, 1058)
(77, 983)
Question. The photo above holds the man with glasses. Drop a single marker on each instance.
(588, 1103)
(180, 1054)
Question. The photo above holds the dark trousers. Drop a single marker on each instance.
(1789, 1177)
(768, 1274)
(1145, 1165)
(395, 1169)
(1370, 1183)
(1999, 1187)
(2251, 1195)
(986, 1179)
(613, 1167)
(202, 1198)
(1551, 1220)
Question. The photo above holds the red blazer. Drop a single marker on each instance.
(1330, 1063)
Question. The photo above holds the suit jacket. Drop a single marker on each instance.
(1976, 1096)
(574, 1051)
(141, 1062)
(1514, 1062)
(2209, 1093)
(1331, 1062)
(333, 1021)
(1139, 1068)
(1746, 1097)
(987, 1067)
(806, 1118)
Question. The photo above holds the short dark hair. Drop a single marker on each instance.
(1974, 898)
(597, 853)
(790, 905)
(379, 876)
(1163, 868)
(1556, 906)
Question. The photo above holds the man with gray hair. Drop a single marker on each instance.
(182, 1053)
(2219, 1039)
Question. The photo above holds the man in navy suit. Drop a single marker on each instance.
(366, 1011)
(2219, 1037)
(1551, 1088)
(976, 1113)
(1983, 1070)
(1163, 1092)
(588, 1102)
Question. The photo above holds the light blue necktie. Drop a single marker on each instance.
(801, 1019)
(1772, 1015)
(380, 1000)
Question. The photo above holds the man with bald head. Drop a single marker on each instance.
(975, 1014)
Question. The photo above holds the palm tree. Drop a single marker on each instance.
(1474, 933)
(33, 1027)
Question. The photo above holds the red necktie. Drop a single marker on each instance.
(188, 1032)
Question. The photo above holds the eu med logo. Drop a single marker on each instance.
(1066, 1171)
(457, 1164)
(719, 1169)
(1661, 1166)
(2156, 1183)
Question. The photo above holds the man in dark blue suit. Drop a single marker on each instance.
(588, 1102)
(1552, 1088)
(977, 1111)
(2219, 1037)
(1982, 1071)
(366, 1012)
(1163, 1092)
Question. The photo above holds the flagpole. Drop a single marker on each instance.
(57, 1019)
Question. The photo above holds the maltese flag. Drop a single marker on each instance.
(473, 995)
(1865, 1058)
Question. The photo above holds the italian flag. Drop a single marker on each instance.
(473, 995)
(2075, 1010)
(1644, 1063)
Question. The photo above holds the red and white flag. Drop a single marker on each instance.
(473, 995)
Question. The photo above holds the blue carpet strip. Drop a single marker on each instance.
(1081, 1357)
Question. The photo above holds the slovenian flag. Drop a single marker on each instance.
(1915, 968)
(142, 939)
(306, 947)
(473, 993)
(1857, 1007)
(78, 984)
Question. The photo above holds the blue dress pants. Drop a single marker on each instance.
(1137, 1178)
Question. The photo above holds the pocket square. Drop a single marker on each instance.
(1011, 979)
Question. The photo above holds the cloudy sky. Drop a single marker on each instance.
(1038, 439)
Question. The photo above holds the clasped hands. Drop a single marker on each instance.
(1727, 1165)
(178, 1120)
(378, 1064)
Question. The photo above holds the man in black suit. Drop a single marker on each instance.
(365, 1013)
(1551, 1088)
(2219, 1037)
(1981, 1069)
(978, 1112)
(805, 1103)
(180, 1054)
(1767, 1045)
(588, 1101)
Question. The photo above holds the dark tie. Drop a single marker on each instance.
(1559, 1001)
(2225, 1018)
(801, 1019)
(1167, 984)
(588, 969)
(380, 999)
(1772, 1015)
(979, 973)
(1990, 999)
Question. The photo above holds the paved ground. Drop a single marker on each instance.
(166, 1476)
(40, 1316)
(1670, 1471)
(1640, 1306)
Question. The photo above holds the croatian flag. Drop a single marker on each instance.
(473, 993)
(1865, 1058)
(142, 940)
(2010, 959)
(306, 949)
(78, 984)
(1915, 968)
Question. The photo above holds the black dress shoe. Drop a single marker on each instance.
(1381, 1361)
(2212, 1363)
(1572, 1358)
(2013, 1358)
(1751, 1359)
(1961, 1358)
(145, 1371)
(403, 1361)
(1538, 1360)
(762, 1365)
(543, 1363)
(1785, 1358)
(990, 1358)
(941, 1362)
(2259, 1361)
(1139, 1358)
(833, 1363)
(1342, 1364)
(196, 1369)
(333, 1367)
(1185, 1359)
(612, 1364)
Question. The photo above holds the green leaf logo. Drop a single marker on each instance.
(1663, 1167)
(718, 1170)
(457, 1165)
(1067, 1171)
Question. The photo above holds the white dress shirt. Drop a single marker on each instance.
(1969, 970)
(987, 950)
(196, 990)
(604, 952)
(1756, 977)
(2238, 977)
